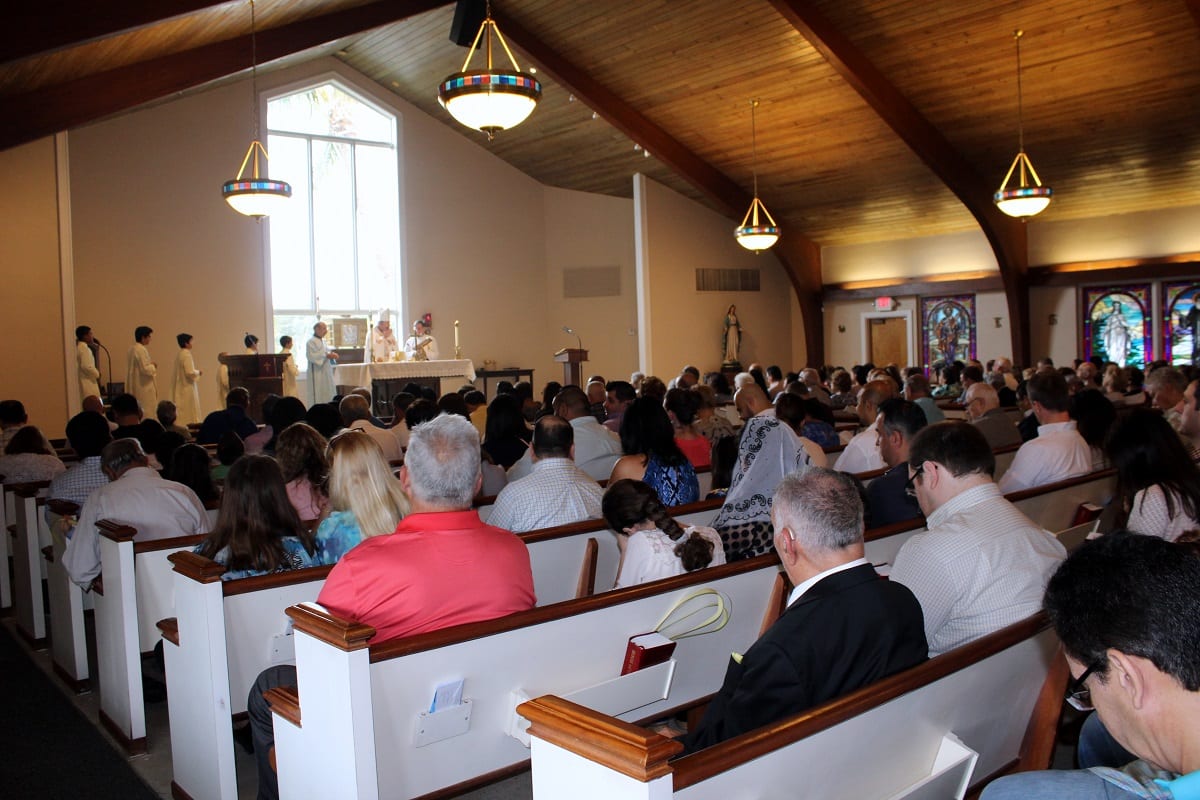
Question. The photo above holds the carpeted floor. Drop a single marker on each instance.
(49, 748)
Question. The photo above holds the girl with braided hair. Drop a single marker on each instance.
(653, 545)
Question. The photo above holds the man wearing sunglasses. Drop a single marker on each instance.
(1127, 609)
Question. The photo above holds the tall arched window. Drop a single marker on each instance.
(336, 247)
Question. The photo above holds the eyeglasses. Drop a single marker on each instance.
(910, 488)
(1078, 695)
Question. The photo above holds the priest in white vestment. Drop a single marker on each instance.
(185, 387)
(85, 360)
(140, 371)
(320, 366)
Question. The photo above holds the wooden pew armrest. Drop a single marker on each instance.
(170, 629)
(620, 746)
(285, 701)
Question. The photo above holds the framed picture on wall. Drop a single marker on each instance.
(947, 329)
(1116, 324)
(1181, 316)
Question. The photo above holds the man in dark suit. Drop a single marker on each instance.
(844, 626)
(888, 498)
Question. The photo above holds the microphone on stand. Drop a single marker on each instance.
(96, 342)
(570, 330)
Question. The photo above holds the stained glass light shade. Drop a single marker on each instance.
(490, 100)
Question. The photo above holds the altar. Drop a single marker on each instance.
(387, 378)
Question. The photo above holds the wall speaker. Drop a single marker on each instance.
(468, 16)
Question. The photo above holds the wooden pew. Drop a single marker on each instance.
(972, 714)
(68, 603)
(576, 560)
(6, 513)
(138, 592)
(25, 535)
(223, 635)
(359, 724)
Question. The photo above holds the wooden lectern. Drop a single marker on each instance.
(260, 375)
(572, 359)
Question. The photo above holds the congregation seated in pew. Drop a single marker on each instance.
(767, 451)
(88, 434)
(652, 455)
(257, 530)
(136, 496)
(300, 451)
(981, 564)
(440, 567)
(844, 626)
(652, 544)
(555, 492)
(364, 499)
(28, 457)
(1158, 482)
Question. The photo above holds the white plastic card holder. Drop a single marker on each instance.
(444, 724)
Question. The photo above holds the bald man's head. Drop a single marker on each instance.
(751, 400)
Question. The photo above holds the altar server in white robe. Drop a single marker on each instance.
(85, 360)
(185, 387)
(320, 366)
(140, 371)
(290, 370)
(421, 346)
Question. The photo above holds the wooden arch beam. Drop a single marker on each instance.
(42, 112)
(50, 25)
(799, 255)
(1006, 235)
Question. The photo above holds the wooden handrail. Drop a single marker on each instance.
(341, 633)
(170, 629)
(171, 543)
(285, 701)
(196, 567)
(291, 577)
(1034, 491)
(696, 767)
(64, 508)
(27, 489)
(116, 531)
(620, 746)
(395, 648)
(586, 585)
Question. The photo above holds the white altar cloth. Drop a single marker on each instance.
(363, 374)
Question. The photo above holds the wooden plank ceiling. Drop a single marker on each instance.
(1111, 94)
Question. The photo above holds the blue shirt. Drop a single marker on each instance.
(337, 535)
(295, 557)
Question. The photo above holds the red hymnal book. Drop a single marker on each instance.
(1086, 513)
(646, 650)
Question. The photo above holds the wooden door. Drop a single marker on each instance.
(888, 341)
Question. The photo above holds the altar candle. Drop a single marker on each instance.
(456, 336)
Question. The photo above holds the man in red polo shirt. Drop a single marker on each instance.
(441, 567)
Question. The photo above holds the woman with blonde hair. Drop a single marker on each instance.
(364, 497)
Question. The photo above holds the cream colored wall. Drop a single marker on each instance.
(1060, 339)
(586, 230)
(931, 255)
(155, 244)
(1151, 233)
(677, 237)
(31, 362)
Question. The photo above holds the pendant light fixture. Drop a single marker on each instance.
(755, 234)
(490, 99)
(256, 195)
(1025, 200)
